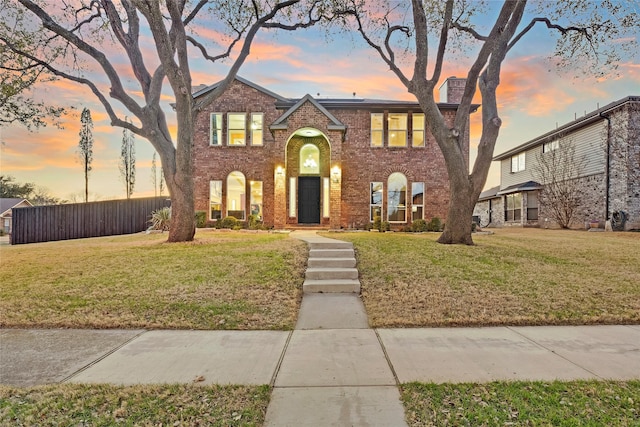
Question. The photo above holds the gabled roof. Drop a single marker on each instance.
(7, 204)
(208, 89)
(523, 186)
(334, 124)
(592, 117)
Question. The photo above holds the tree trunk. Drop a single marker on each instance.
(457, 228)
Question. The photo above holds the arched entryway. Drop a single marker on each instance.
(308, 160)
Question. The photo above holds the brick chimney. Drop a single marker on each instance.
(452, 90)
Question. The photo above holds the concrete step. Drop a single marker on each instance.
(331, 273)
(331, 286)
(331, 262)
(331, 253)
(335, 244)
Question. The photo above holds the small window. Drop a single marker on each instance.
(417, 133)
(397, 198)
(377, 130)
(236, 128)
(326, 196)
(256, 199)
(417, 200)
(518, 162)
(256, 128)
(309, 160)
(550, 146)
(397, 130)
(236, 192)
(215, 139)
(292, 197)
(215, 200)
(375, 201)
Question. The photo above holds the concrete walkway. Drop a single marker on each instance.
(332, 369)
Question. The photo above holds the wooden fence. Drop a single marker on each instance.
(80, 220)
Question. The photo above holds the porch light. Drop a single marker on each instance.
(335, 174)
(279, 171)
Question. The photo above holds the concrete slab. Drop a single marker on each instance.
(337, 357)
(335, 406)
(472, 355)
(34, 357)
(636, 327)
(220, 357)
(332, 311)
(611, 352)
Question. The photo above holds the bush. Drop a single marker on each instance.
(255, 223)
(435, 224)
(377, 223)
(229, 222)
(386, 226)
(160, 219)
(201, 219)
(419, 226)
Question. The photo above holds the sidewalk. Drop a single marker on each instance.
(332, 369)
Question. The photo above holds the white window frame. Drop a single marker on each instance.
(243, 195)
(414, 208)
(377, 131)
(257, 134)
(392, 130)
(218, 184)
(518, 162)
(419, 130)
(399, 206)
(547, 147)
(217, 129)
(376, 205)
(232, 133)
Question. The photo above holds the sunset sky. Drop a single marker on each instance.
(533, 99)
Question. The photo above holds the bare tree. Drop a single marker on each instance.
(587, 32)
(559, 170)
(83, 28)
(85, 148)
(127, 164)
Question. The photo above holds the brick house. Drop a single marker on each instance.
(606, 142)
(335, 163)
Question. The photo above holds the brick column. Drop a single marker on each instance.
(335, 192)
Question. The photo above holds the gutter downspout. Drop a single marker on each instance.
(607, 175)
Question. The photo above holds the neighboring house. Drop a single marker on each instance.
(337, 163)
(6, 205)
(606, 144)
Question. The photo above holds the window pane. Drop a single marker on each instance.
(215, 129)
(418, 130)
(309, 159)
(326, 195)
(375, 200)
(215, 199)
(417, 200)
(256, 128)
(398, 130)
(236, 192)
(376, 129)
(292, 197)
(256, 199)
(237, 127)
(396, 198)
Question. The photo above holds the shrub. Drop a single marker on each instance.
(228, 222)
(201, 219)
(377, 223)
(255, 223)
(419, 226)
(160, 219)
(386, 226)
(435, 224)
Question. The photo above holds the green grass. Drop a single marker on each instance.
(575, 403)
(229, 280)
(106, 405)
(513, 277)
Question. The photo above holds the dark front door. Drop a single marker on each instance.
(309, 200)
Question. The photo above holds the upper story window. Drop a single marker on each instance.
(398, 129)
(518, 162)
(417, 133)
(377, 129)
(256, 128)
(550, 146)
(236, 128)
(215, 127)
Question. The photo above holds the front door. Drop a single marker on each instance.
(309, 200)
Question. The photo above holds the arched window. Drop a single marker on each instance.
(309, 160)
(236, 195)
(397, 198)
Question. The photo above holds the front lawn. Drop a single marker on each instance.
(513, 277)
(222, 280)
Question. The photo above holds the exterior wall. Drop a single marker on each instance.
(351, 151)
